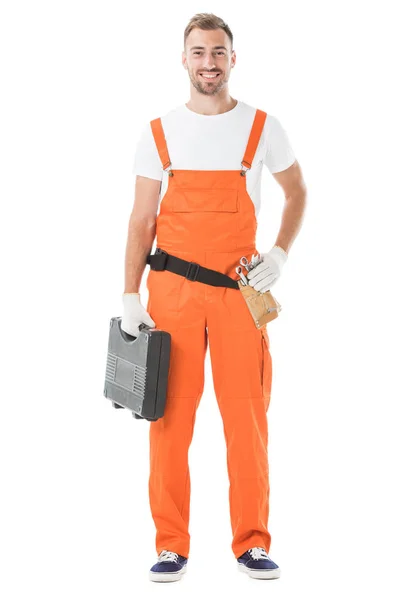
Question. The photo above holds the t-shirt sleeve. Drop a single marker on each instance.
(147, 161)
(278, 153)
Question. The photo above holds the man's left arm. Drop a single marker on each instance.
(292, 182)
(268, 271)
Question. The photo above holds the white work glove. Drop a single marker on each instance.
(134, 314)
(268, 271)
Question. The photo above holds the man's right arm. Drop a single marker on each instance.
(141, 230)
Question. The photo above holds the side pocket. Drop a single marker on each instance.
(266, 367)
(164, 289)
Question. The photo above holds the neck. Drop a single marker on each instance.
(210, 105)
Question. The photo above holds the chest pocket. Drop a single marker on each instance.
(205, 200)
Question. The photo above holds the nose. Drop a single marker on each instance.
(209, 61)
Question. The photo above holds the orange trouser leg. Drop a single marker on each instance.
(177, 307)
(242, 374)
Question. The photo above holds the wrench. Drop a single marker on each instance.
(241, 275)
(245, 263)
(255, 259)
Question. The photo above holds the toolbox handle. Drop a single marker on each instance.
(126, 336)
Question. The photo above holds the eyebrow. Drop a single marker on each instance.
(202, 48)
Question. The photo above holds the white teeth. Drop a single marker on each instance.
(209, 76)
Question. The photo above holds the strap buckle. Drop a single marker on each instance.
(158, 264)
(244, 169)
(192, 271)
(169, 171)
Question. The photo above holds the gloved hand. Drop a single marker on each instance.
(134, 314)
(268, 271)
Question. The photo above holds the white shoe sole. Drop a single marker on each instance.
(260, 573)
(165, 577)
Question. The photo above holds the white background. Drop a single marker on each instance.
(79, 80)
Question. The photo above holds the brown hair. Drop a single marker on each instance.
(207, 21)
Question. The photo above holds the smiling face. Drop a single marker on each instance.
(208, 57)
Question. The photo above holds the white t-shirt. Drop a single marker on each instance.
(214, 142)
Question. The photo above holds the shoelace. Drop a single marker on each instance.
(257, 552)
(166, 555)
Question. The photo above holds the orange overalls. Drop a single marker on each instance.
(209, 218)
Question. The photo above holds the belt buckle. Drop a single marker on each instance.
(192, 271)
(160, 261)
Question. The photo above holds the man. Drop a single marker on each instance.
(208, 155)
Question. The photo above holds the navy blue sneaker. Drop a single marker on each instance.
(170, 566)
(256, 563)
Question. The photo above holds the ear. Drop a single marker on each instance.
(184, 60)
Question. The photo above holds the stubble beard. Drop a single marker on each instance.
(206, 89)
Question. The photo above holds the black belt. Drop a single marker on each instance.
(161, 261)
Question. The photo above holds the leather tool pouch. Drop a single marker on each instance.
(262, 305)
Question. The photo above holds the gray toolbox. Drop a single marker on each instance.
(137, 370)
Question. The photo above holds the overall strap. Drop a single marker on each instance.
(159, 138)
(254, 138)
